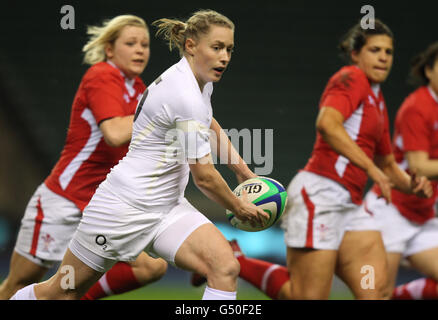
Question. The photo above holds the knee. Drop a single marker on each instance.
(227, 268)
(149, 271)
(307, 292)
(159, 269)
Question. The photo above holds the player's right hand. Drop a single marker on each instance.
(382, 181)
(250, 212)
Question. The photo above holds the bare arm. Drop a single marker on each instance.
(226, 152)
(422, 164)
(117, 131)
(418, 185)
(330, 124)
(400, 179)
(212, 184)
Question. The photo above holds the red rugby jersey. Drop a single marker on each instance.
(366, 122)
(416, 129)
(86, 159)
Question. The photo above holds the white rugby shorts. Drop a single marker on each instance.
(400, 235)
(47, 227)
(112, 230)
(318, 213)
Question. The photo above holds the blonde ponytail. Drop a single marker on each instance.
(176, 32)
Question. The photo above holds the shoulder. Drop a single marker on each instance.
(103, 71)
(417, 101)
(349, 78)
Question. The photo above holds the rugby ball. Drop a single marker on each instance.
(266, 193)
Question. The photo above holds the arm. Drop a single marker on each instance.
(401, 180)
(228, 154)
(330, 125)
(420, 162)
(211, 183)
(117, 131)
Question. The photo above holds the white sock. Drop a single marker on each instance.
(214, 294)
(27, 293)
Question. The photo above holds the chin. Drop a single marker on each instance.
(378, 79)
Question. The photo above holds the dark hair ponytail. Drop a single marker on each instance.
(427, 58)
(356, 37)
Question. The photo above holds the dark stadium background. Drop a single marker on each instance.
(285, 52)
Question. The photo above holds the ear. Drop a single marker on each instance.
(109, 51)
(354, 56)
(428, 72)
(190, 46)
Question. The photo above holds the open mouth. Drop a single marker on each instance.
(220, 70)
(140, 61)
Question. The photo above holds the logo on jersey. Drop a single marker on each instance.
(47, 240)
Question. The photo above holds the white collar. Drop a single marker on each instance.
(129, 83)
(432, 93)
(184, 66)
(376, 89)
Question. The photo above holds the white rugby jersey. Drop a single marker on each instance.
(171, 127)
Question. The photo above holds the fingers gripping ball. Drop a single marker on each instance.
(266, 193)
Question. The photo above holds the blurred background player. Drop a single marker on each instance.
(409, 224)
(323, 222)
(141, 205)
(98, 135)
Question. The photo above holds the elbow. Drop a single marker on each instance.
(323, 127)
(114, 141)
(204, 181)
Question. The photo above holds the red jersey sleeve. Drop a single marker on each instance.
(384, 146)
(345, 91)
(413, 127)
(105, 96)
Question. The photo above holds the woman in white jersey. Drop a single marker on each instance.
(141, 204)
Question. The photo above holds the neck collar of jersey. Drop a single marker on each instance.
(129, 83)
(432, 93)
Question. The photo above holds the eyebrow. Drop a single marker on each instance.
(222, 43)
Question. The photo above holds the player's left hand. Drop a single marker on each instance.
(421, 186)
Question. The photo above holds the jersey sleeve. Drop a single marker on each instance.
(384, 146)
(344, 92)
(193, 133)
(414, 130)
(105, 96)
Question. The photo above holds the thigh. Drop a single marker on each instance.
(22, 272)
(426, 262)
(203, 250)
(362, 263)
(311, 272)
(176, 227)
(393, 266)
(72, 280)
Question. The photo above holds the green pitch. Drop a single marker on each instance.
(167, 291)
